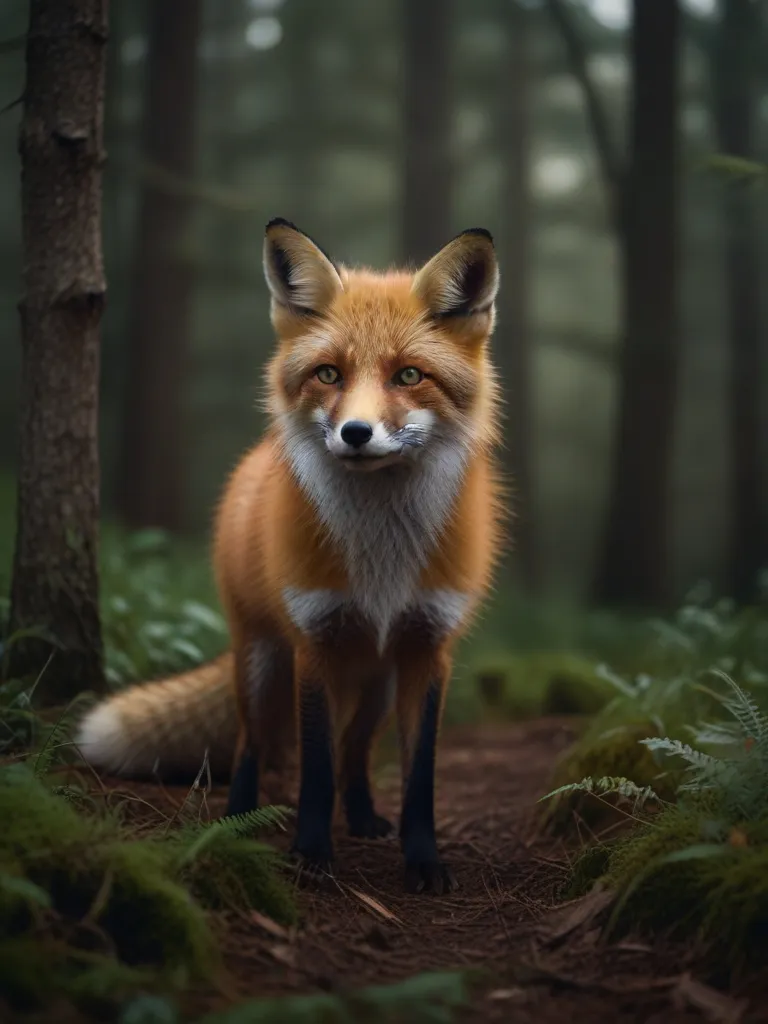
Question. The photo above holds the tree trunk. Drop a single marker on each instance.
(633, 568)
(55, 571)
(151, 481)
(736, 95)
(512, 338)
(427, 177)
(302, 27)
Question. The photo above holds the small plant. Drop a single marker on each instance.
(151, 624)
(701, 864)
(703, 637)
(607, 786)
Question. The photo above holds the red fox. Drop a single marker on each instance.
(352, 546)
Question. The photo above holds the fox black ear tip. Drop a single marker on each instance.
(482, 232)
(280, 222)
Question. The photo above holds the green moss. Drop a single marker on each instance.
(525, 685)
(683, 873)
(427, 997)
(616, 752)
(575, 688)
(89, 907)
(590, 865)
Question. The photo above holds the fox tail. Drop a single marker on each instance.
(166, 728)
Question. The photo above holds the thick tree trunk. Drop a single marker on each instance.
(512, 338)
(633, 568)
(736, 94)
(151, 481)
(55, 572)
(427, 173)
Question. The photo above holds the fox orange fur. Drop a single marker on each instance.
(352, 545)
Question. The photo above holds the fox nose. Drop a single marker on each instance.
(356, 433)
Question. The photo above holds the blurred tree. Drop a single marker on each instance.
(55, 571)
(643, 199)
(150, 477)
(513, 349)
(304, 117)
(427, 168)
(739, 49)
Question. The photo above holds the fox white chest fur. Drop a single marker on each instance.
(386, 524)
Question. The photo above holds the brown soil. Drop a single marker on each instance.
(540, 964)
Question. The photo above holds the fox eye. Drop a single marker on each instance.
(410, 375)
(327, 374)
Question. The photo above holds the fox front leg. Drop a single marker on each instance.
(420, 692)
(317, 789)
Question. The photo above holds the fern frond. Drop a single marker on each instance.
(618, 682)
(754, 725)
(237, 825)
(272, 816)
(606, 786)
(675, 748)
(715, 733)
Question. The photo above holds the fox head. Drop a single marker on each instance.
(381, 370)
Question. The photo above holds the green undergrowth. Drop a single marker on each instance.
(695, 862)
(427, 998)
(159, 609)
(506, 685)
(669, 698)
(96, 905)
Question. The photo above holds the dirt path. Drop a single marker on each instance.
(362, 929)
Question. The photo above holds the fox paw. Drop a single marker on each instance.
(312, 868)
(371, 827)
(429, 876)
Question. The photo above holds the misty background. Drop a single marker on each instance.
(382, 130)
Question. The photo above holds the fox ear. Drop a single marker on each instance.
(299, 275)
(462, 279)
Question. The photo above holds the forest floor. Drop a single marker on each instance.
(540, 960)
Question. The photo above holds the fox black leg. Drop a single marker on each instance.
(244, 787)
(362, 819)
(424, 871)
(313, 843)
(263, 671)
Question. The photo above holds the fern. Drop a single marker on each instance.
(754, 725)
(203, 837)
(738, 782)
(272, 816)
(607, 786)
(716, 733)
(695, 758)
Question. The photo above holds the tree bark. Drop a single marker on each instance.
(55, 571)
(736, 94)
(633, 566)
(427, 158)
(151, 484)
(512, 337)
